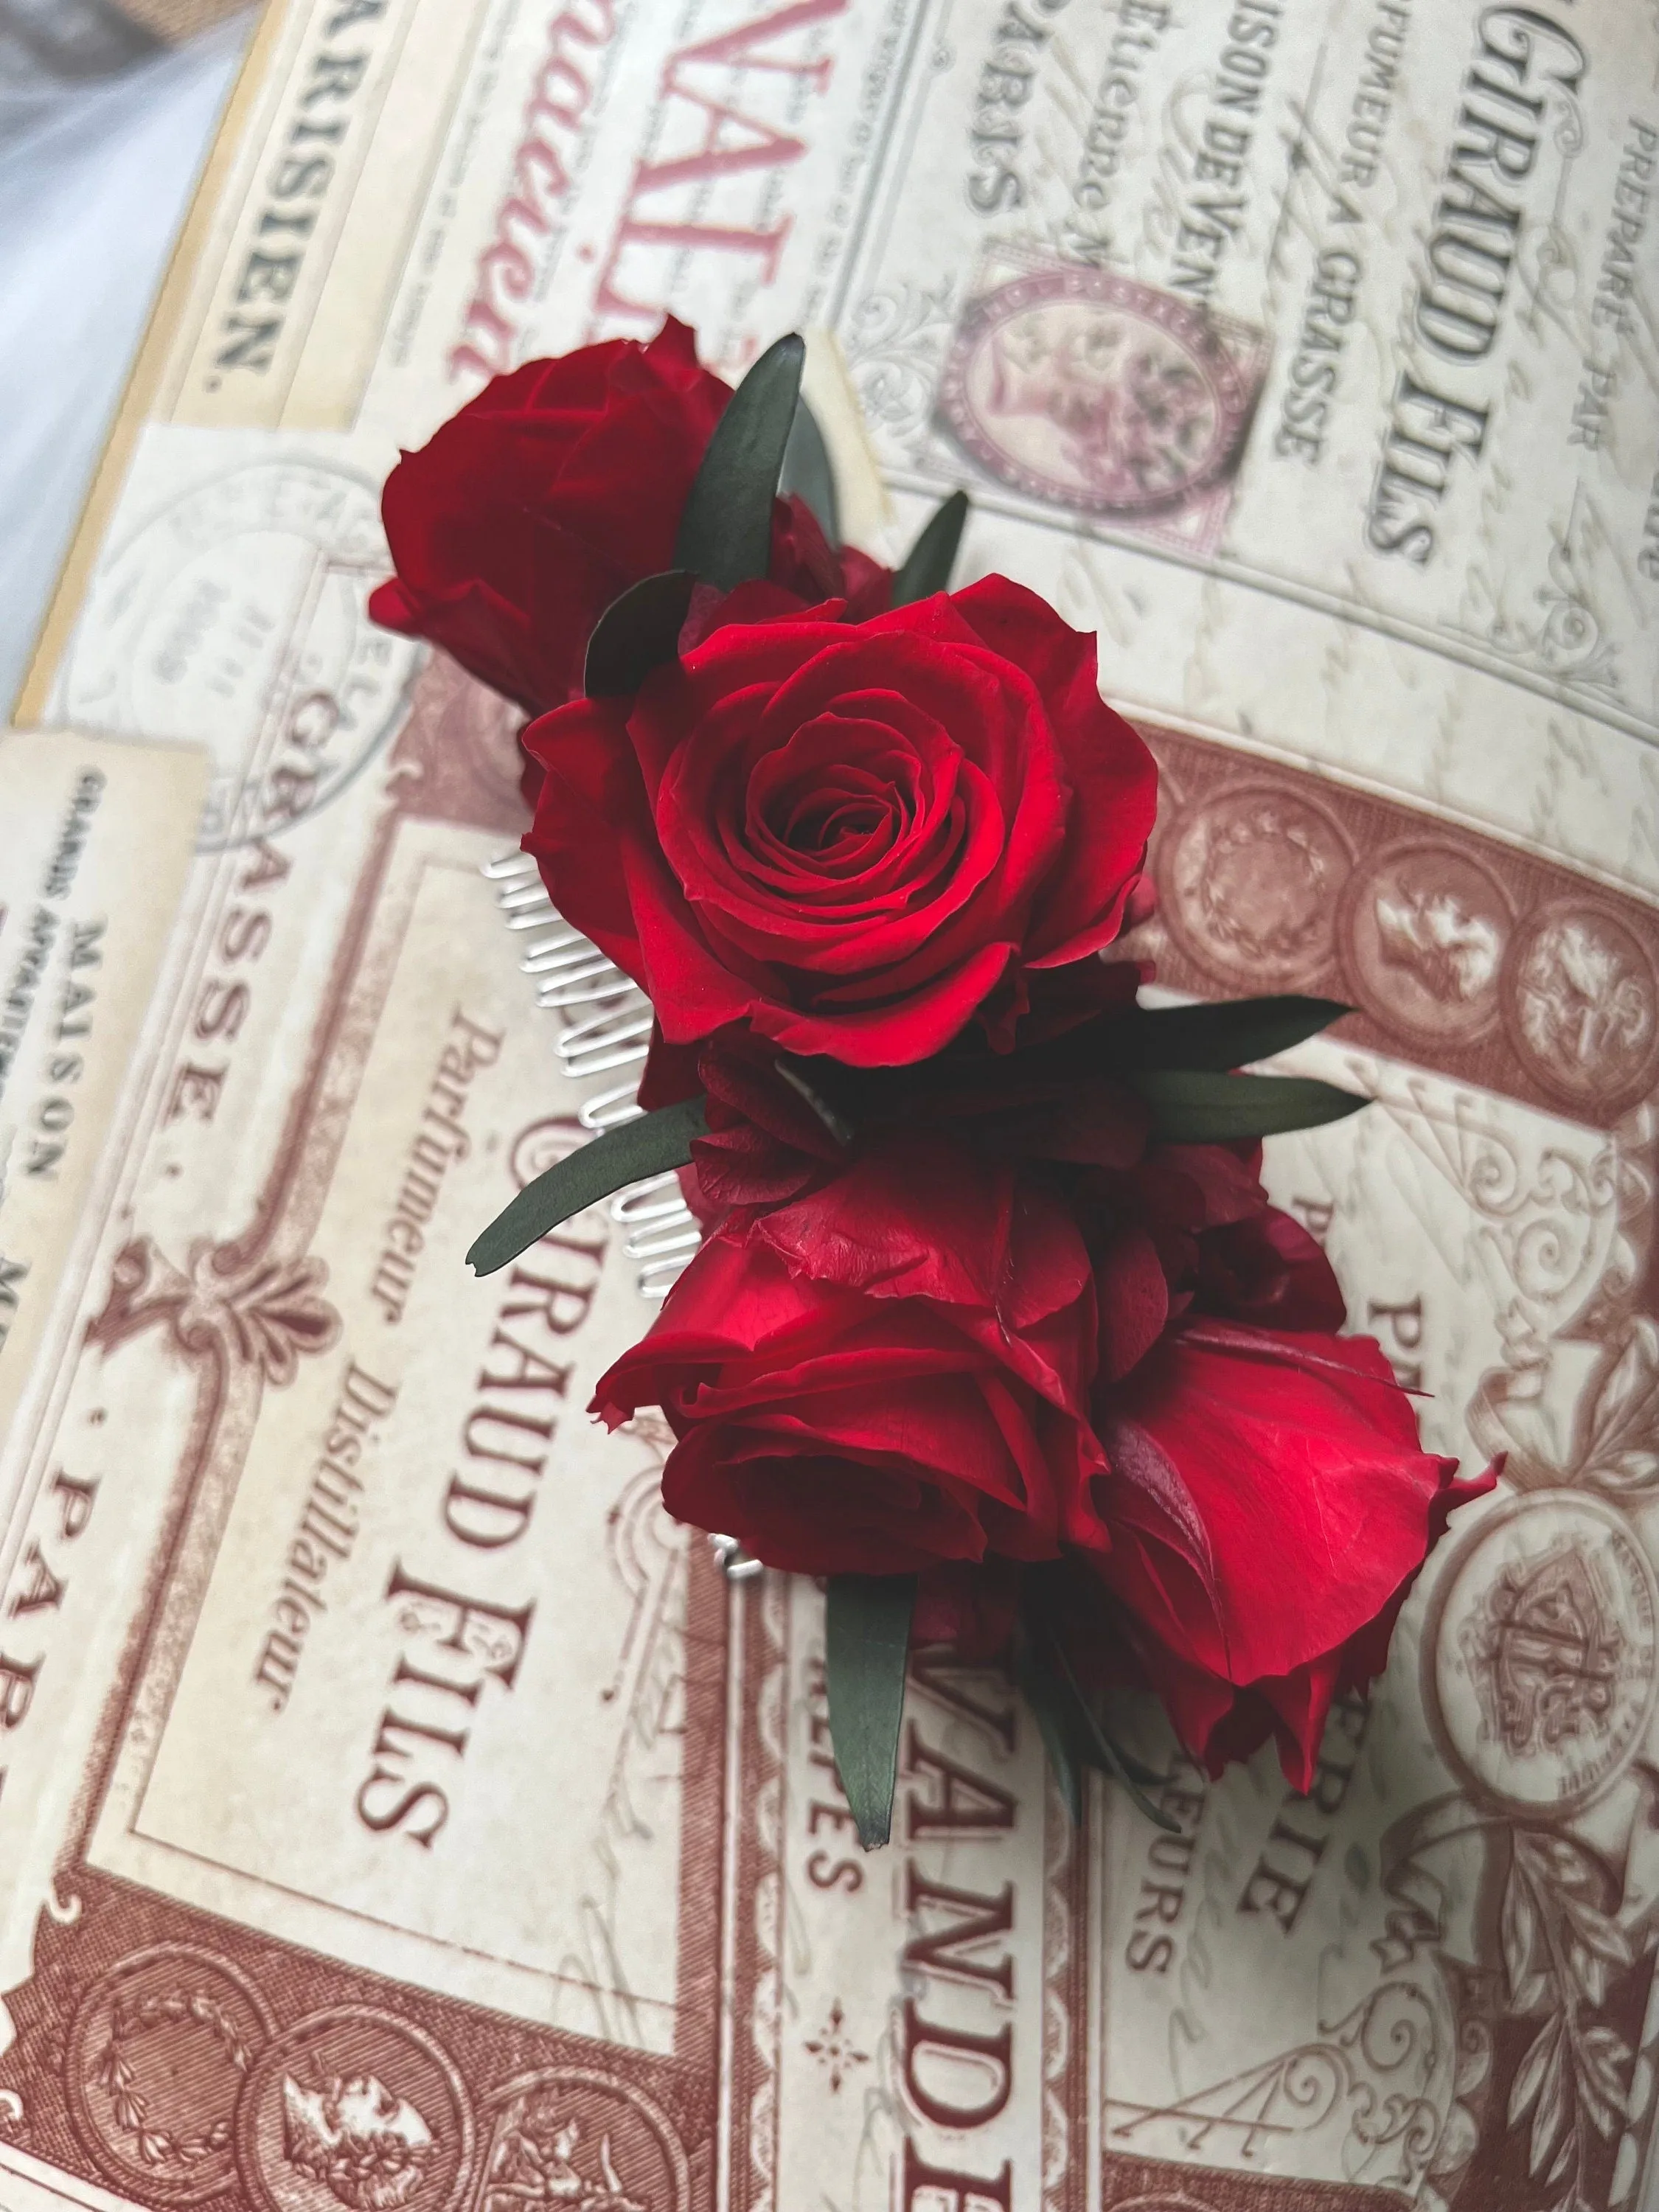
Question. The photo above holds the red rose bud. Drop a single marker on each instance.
(1267, 1509)
(550, 493)
(766, 1141)
(859, 838)
(804, 564)
(973, 1609)
(1190, 1230)
(556, 489)
(892, 1408)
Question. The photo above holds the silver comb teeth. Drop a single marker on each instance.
(605, 1025)
(572, 974)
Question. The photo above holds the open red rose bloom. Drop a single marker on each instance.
(992, 1304)
(857, 839)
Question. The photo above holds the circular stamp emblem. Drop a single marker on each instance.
(157, 2054)
(354, 2109)
(1582, 1004)
(1251, 884)
(1091, 389)
(566, 2136)
(237, 616)
(1426, 929)
(1542, 1655)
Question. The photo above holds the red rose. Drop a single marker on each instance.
(858, 838)
(1190, 1229)
(803, 562)
(888, 1375)
(975, 1609)
(766, 1143)
(556, 489)
(530, 509)
(1268, 1507)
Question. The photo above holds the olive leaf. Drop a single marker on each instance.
(926, 569)
(1196, 1106)
(1049, 1708)
(647, 1146)
(638, 631)
(725, 530)
(1218, 1037)
(866, 1643)
(809, 472)
(1097, 1748)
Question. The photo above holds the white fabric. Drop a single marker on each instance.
(91, 197)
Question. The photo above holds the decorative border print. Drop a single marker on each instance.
(184, 2055)
(1492, 965)
(1432, 1981)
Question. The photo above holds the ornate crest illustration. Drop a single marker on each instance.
(1544, 1646)
(1542, 1660)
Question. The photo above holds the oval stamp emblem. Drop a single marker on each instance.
(354, 2110)
(1081, 386)
(157, 2056)
(1582, 1002)
(1250, 886)
(236, 615)
(1542, 1655)
(1426, 929)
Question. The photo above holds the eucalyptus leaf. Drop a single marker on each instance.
(637, 632)
(725, 531)
(927, 567)
(866, 1645)
(1196, 1106)
(645, 1147)
(1219, 1037)
(809, 472)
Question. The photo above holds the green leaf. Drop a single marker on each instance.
(927, 567)
(1050, 1711)
(725, 532)
(1097, 1749)
(646, 1146)
(1194, 1106)
(809, 470)
(1219, 1037)
(637, 632)
(866, 1643)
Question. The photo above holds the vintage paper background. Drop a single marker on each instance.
(393, 1799)
(99, 837)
